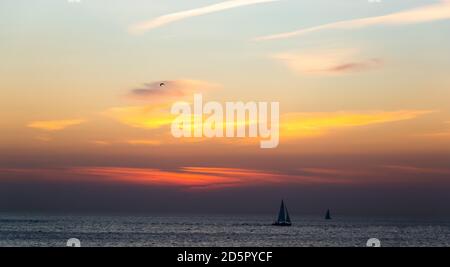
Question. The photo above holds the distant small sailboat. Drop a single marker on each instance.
(328, 215)
(283, 216)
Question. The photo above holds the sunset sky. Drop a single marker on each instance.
(364, 93)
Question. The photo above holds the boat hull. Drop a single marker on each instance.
(281, 224)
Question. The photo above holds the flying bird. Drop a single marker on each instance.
(162, 84)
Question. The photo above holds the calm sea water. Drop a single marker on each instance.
(216, 231)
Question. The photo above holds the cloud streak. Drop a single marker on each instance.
(418, 170)
(201, 178)
(147, 117)
(293, 126)
(173, 17)
(194, 178)
(166, 91)
(54, 125)
(437, 134)
(145, 142)
(298, 125)
(327, 62)
(429, 13)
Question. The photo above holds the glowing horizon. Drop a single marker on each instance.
(80, 93)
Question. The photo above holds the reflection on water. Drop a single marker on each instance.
(216, 231)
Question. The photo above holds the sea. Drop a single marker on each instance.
(217, 231)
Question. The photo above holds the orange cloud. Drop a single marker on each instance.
(159, 96)
(215, 178)
(195, 178)
(297, 125)
(148, 117)
(146, 142)
(292, 125)
(54, 125)
(429, 13)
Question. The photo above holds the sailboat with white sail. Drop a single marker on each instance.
(283, 216)
(328, 215)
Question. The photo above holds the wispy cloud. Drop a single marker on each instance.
(418, 170)
(293, 126)
(158, 96)
(148, 117)
(185, 178)
(195, 178)
(165, 91)
(43, 138)
(434, 12)
(201, 178)
(298, 125)
(100, 142)
(145, 142)
(327, 62)
(173, 17)
(335, 172)
(54, 125)
(437, 134)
